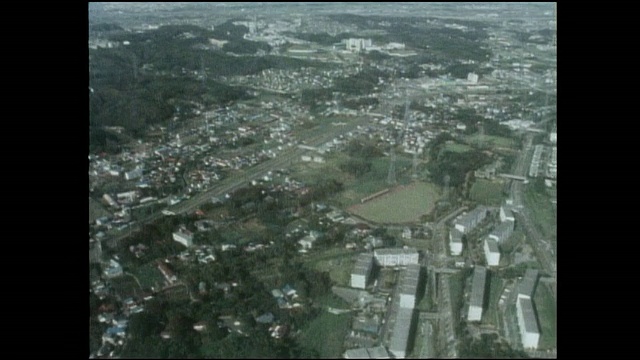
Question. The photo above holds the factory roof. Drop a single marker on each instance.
(478, 285)
(401, 329)
(409, 280)
(529, 316)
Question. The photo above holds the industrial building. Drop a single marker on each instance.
(502, 232)
(506, 214)
(491, 252)
(455, 242)
(528, 324)
(378, 352)
(184, 237)
(408, 286)
(362, 271)
(527, 286)
(401, 333)
(396, 256)
(477, 293)
(467, 222)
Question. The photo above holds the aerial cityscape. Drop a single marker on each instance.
(322, 180)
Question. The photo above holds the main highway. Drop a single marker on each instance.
(228, 185)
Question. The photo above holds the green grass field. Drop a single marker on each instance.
(487, 192)
(148, 275)
(541, 209)
(339, 269)
(326, 334)
(546, 309)
(401, 204)
(492, 141)
(495, 290)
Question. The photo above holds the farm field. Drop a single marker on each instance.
(401, 205)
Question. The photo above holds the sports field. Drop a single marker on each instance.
(401, 205)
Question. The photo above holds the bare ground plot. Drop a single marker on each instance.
(402, 204)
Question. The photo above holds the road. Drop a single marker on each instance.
(231, 184)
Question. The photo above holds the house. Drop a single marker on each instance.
(133, 174)
(335, 216)
(277, 293)
(288, 290)
(113, 270)
(184, 237)
(167, 273)
(486, 172)
(406, 233)
(200, 326)
(307, 242)
(266, 318)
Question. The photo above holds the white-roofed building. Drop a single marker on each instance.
(455, 242)
(408, 286)
(477, 293)
(528, 323)
(396, 256)
(362, 271)
(491, 252)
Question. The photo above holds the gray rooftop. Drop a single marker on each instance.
(478, 285)
(400, 336)
(503, 229)
(528, 284)
(363, 264)
(360, 353)
(493, 245)
(378, 352)
(455, 235)
(507, 211)
(409, 280)
(472, 216)
(396, 251)
(530, 322)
